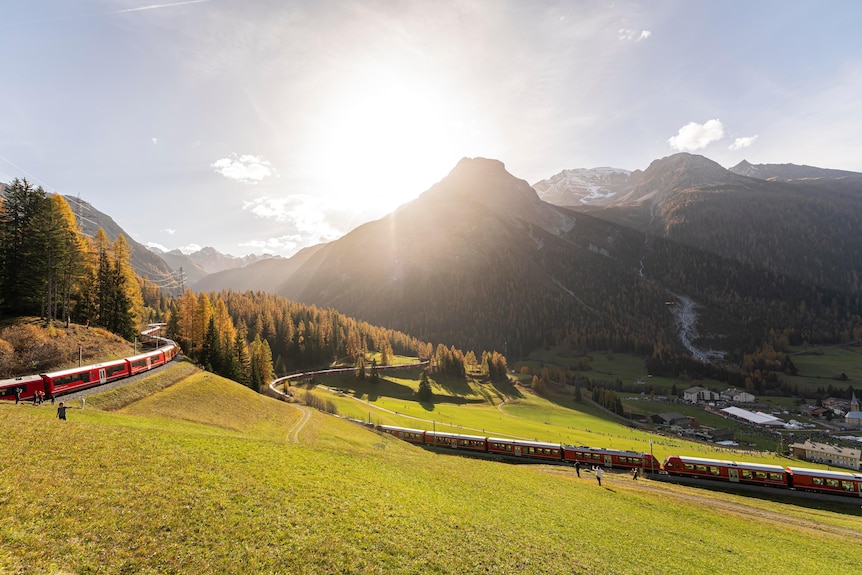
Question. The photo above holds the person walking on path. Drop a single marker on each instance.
(578, 468)
(17, 395)
(635, 474)
(599, 473)
(82, 402)
(61, 411)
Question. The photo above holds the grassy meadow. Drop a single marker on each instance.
(204, 476)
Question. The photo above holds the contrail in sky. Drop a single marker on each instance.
(108, 13)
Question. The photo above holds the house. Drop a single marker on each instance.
(734, 395)
(853, 418)
(845, 457)
(697, 394)
(677, 419)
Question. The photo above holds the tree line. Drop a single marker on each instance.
(48, 268)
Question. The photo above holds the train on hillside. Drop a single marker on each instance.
(795, 478)
(58, 383)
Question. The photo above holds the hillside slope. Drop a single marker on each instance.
(216, 492)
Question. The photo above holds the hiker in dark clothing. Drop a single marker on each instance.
(61, 411)
(578, 468)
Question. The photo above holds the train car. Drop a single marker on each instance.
(732, 471)
(404, 433)
(170, 351)
(456, 441)
(26, 385)
(610, 458)
(145, 361)
(527, 449)
(826, 481)
(71, 380)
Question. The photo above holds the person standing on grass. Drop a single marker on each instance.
(578, 468)
(599, 473)
(61, 411)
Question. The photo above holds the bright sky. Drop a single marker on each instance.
(268, 125)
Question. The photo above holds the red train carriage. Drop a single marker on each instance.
(26, 385)
(70, 380)
(456, 441)
(735, 472)
(610, 458)
(145, 361)
(404, 433)
(823, 481)
(527, 449)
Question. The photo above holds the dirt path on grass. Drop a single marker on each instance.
(293, 434)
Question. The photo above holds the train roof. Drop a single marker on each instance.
(726, 463)
(824, 473)
(396, 428)
(72, 370)
(525, 442)
(454, 435)
(601, 450)
(13, 381)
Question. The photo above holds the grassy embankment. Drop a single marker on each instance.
(508, 411)
(204, 477)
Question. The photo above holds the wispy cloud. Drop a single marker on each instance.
(694, 136)
(740, 143)
(247, 168)
(190, 249)
(307, 219)
(169, 231)
(633, 35)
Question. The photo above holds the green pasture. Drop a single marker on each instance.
(204, 476)
(475, 408)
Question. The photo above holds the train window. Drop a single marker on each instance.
(832, 482)
(700, 467)
(746, 474)
(816, 481)
(848, 486)
(714, 470)
(760, 474)
(688, 466)
(776, 476)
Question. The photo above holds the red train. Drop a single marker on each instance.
(526, 450)
(797, 478)
(59, 383)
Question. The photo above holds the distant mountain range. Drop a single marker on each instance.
(482, 261)
(589, 259)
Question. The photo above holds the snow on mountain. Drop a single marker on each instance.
(594, 186)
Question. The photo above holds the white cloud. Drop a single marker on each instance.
(633, 35)
(155, 140)
(157, 246)
(190, 249)
(169, 231)
(695, 136)
(740, 143)
(308, 221)
(246, 168)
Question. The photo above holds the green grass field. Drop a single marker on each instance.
(204, 476)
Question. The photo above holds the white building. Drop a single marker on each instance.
(698, 394)
(736, 396)
(845, 457)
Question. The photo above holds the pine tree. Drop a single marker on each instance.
(426, 394)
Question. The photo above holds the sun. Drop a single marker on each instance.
(385, 137)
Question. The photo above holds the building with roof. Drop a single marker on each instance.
(677, 419)
(697, 394)
(845, 457)
(755, 417)
(853, 418)
(736, 396)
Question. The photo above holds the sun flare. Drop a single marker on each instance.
(385, 138)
